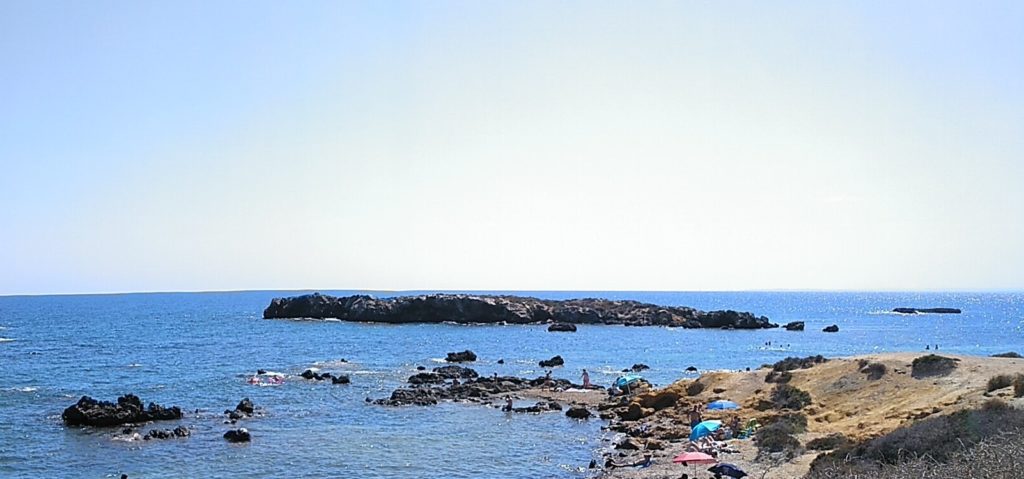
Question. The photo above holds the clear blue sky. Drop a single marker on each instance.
(511, 145)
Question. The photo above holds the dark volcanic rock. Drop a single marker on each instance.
(465, 356)
(463, 308)
(425, 378)
(637, 368)
(550, 363)
(179, 431)
(128, 409)
(342, 379)
(927, 310)
(578, 412)
(831, 329)
(245, 406)
(794, 326)
(541, 406)
(562, 327)
(455, 372)
(238, 435)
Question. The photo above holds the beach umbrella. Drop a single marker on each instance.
(727, 469)
(723, 404)
(690, 458)
(627, 380)
(704, 428)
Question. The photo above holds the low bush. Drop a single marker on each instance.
(999, 382)
(785, 396)
(792, 363)
(777, 437)
(832, 441)
(937, 437)
(932, 365)
(874, 371)
(779, 377)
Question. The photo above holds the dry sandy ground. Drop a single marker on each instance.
(844, 400)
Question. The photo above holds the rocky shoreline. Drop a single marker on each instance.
(482, 309)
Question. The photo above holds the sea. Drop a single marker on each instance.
(197, 350)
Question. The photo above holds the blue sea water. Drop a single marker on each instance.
(196, 350)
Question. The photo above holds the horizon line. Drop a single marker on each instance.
(400, 291)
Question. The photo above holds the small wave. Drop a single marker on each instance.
(887, 313)
(438, 360)
(6, 340)
(134, 365)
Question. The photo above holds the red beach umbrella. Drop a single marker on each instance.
(691, 458)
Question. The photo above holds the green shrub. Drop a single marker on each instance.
(999, 382)
(785, 396)
(832, 441)
(874, 371)
(792, 363)
(777, 437)
(779, 377)
(932, 365)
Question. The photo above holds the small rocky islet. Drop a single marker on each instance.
(483, 309)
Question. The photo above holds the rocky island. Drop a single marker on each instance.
(464, 308)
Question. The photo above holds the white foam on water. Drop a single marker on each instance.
(6, 340)
(27, 389)
(134, 365)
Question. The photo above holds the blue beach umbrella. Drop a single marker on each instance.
(627, 380)
(723, 404)
(704, 428)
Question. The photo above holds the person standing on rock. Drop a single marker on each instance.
(586, 379)
(695, 417)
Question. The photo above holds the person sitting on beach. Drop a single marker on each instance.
(695, 417)
(586, 379)
(646, 461)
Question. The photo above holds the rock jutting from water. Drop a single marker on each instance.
(463, 308)
(927, 310)
(128, 409)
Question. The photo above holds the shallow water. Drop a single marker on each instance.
(196, 350)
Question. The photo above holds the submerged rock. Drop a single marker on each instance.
(238, 435)
(179, 431)
(578, 412)
(128, 409)
(463, 308)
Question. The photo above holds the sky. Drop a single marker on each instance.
(483, 145)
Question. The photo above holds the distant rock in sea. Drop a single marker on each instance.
(128, 409)
(463, 308)
(927, 310)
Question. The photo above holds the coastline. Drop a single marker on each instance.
(844, 401)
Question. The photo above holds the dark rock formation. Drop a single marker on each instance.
(425, 378)
(462, 308)
(243, 410)
(831, 329)
(478, 389)
(1011, 354)
(578, 412)
(691, 369)
(341, 379)
(541, 406)
(179, 431)
(550, 363)
(465, 356)
(794, 326)
(455, 372)
(238, 435)
(128, 409)
(927, 310)
(313, 375)
(562, 327)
